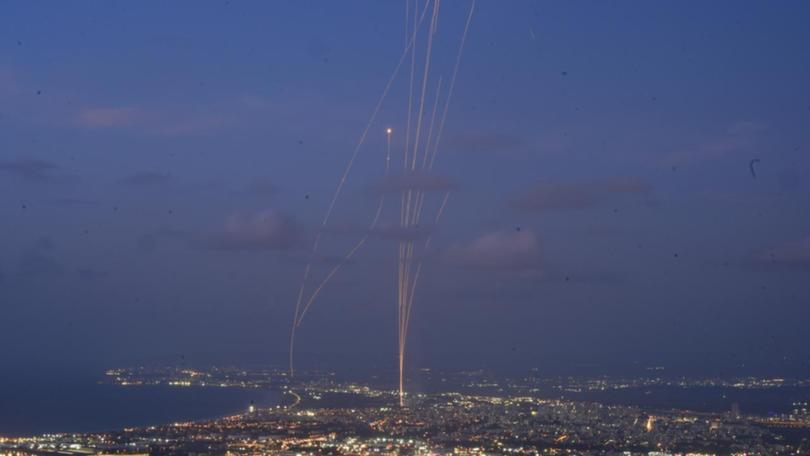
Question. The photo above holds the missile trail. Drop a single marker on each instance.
(359, 243)
(410, 216)
(347, 170)
(425, 121)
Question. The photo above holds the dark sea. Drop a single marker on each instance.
(78, 403)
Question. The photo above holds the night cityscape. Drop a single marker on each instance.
(475, 414)
(405, 227)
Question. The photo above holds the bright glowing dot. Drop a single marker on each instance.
(388, 131)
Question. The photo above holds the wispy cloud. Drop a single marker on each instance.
(384, 231)
(739, 137)
(413, 181)
(794, 254)
(263, 187)
(9, 83)
(30, 169)
(505, 250)
(153, 120)
(146, 179)
(188, 125)
(555, 196)
(68, 201)
(149, 242)
(38, 261)
(267, 230)
(92, 273)
(106, 117)
(398, 233)
(485, 142)
(83, 112)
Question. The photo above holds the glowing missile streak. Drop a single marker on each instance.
(407, 218)
(350, 254)
(316, 242)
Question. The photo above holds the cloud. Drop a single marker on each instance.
(155, 117)
(106, 117)
(253, 101)
(483, 142)
(146, 179)
(188, 125)
(68, 201)
(398, 233)
(739, 137)
(37, 261)
(318, 47)
(267, 230)
(505, 250)
(30, 169)
(413, 181)
(150, 241)
(263, 187)
(390, 232)
(8, 82)
(91, 273)
(155, 120)
(552, 196)
(795, 254)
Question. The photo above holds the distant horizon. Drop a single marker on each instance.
(120, 399)
(704, 365)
